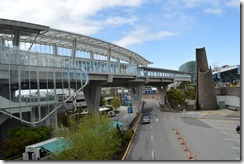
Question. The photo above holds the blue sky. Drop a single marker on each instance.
(165, 32)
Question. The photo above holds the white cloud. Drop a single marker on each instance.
(197, 3)
(233, 3)
(215, 11)
(119, 20)
(69, 15)
(141, 35)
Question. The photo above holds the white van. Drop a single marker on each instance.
(41, 150)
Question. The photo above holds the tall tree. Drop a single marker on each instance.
(115, 103)
(90, 138)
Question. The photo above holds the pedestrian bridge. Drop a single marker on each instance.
(38, 63)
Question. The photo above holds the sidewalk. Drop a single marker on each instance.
(124, 117)
(213, 114)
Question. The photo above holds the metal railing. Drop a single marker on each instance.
(21, 62)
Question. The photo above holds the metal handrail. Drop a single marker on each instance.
(71, 96)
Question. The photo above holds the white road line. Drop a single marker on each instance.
(235, 148)
(156, 119)
(152, 138)
(152, 155)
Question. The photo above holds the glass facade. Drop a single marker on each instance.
(191, 68)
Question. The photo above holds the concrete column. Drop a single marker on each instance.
(139, 100)
(136, 96)
(92, 93)
(162, 90)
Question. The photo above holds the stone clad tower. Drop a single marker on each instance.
(206, 97)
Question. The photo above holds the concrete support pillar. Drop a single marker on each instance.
(92, 93)
(108, 59)
(162, 90)
(136, 96)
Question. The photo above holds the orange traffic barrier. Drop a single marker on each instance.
(182, 141)
(190, 154)
(185, 148)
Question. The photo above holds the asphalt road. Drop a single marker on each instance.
(156, 141)
(208, 139)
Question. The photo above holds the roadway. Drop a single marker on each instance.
(209, 135)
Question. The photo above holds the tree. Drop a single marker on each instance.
(115, 103)
(176, 95)
(90, 138)
(102, 101)
(20, 137)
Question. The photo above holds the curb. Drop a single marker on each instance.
(129, 145)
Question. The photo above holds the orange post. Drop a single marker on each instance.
(182, 141)
(178, 136)
(190, 154)
(185, 148)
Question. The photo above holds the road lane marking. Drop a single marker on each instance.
(152, 138)
(156, 119)
(152, 155)
(235, 148)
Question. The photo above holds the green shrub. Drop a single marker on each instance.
(128, 135)
(20, 137)
(176, 95)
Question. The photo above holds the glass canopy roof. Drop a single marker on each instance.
(39, 34)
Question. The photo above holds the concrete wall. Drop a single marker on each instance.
(232, 102)
(230, 91)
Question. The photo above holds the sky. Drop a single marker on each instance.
(165, 32)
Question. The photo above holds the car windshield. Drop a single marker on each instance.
(145, 117)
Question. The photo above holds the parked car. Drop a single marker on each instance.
(146, 120)
(238, 129)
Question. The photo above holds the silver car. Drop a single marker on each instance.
(146, 120)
